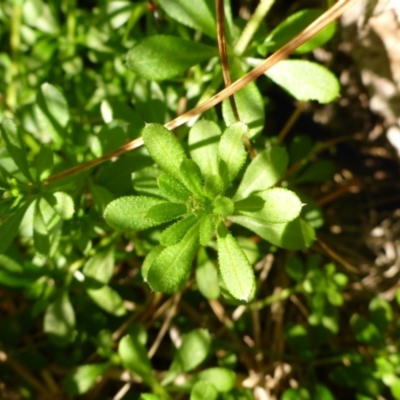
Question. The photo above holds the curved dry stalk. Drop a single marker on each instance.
(321, 22)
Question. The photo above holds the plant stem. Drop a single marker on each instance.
(252, 25)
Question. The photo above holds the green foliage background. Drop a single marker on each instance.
(77, 317)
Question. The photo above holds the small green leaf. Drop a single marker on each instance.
(162, 57)
(317, 172)
(213, 186)
(273, 206)
(235, 269)
(44, 163)
(263, 171)
(100, 267)
(192, 352)
(293, 235)
(365, 331)
(223, 206)
(172, 265)
(203, 390)
(191, 177)
(249, 103)
(293, 25)
(52, 114)
(172, 189)
(231, 152)
(206, 276)
(165, 212)
(108, 299)
(381, 313)
(15, 146)
(164, 148)
(40, 232)
(148, 261)
(305, 80)
(9, 228)
(83, 379)
(199, 15)
(134, 357)
(223, 379)
(59, 320)
(62, 204)
(174, 233)
(206, 229)
(149, 396)
(203, 145)
(130, 213)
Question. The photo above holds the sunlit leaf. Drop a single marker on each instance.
(231, 152)
(172, 265)
(130, 213)
(203, 145)
(59, 320)
(164, 148)
(83, 379)
(192, 352)
(234, 266)
(108, 299)
(305, 80)
(263, 171)
(162, 57)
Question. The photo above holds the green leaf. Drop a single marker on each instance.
(203, 145)
(192, 352)
(108, 299)
(9, 228)
(44, 163)
(59, 320)
(381, 313)
(365, 331)
(206, 229)
(172, 189)
(300, 393)
(149, 396)
(317, 172)
(231, 152)
(52, 114)
(165, 212)
(305, 80)
(207, 276)
(235, 269)
(148, 261)
(84, 378)
(172, 265)
(223, 379)
(213, 186)
(293, 235)
(263, 171)
(162, 57)
(62, 203)
(273, 206)
(223, 206)
(199, 15)
(174, 233)
(130, 213)
(164, 148)
(100, 267)
(40, 232)
(203, 390)
(249, 103)
(134, 357)
(293, 25)
(191, 177)
(15, 146)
